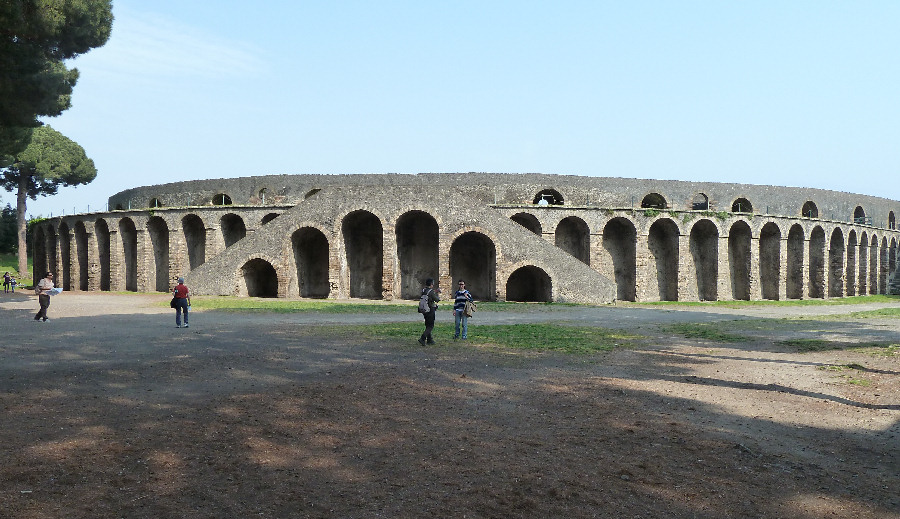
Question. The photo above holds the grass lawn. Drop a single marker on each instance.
(9, 263)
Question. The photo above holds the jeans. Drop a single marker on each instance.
(44, 301)
(461, 318)
(181, 305)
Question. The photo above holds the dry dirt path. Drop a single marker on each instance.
(109, 411)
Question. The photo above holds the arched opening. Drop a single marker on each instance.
(817, 263)
(700, 202)
(654, 201)
(741, 205)
(128, 239)
(619, 242)
(259, 279)
(40, 252)
(852, 246)
(810, 210)
(52, 252)
(268, 218)
(527, 221)
(873, 265)
(194, 239)
(859, 215)
(473, 257)
(154, 203)
(417, 251)
(795, 246)
(836, 264)
(119, 207)
(233, 229)
(548, 197)
(770, 261)
(739, 239)
(892, 223)
(65, 252)
(311, 258)
(159, 241)
(574, 237)
(863, 277)
(364, 248)
(221, 199)
(704, 247)
(101, 232)
(262, 196)
(662, 242)
(81, 255)
(529, 284)
(311, 192)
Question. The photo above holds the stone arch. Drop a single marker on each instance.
(817, 263)
(81, 256)
(154, 203)
(863, 264)
(741, 205)
(195, 239)
(859, 215)
(548, 197)
(770, 260)
(311, 253)
(233, 229)
(892, 223)
(739, 259)
(261, 194)
(852, 246)
(794, 281)
(268, 218)
(704, 247)
(574, 236)
(619, 241)
(364, 249)
(101, 234)
(654, 201)
(700, 202)
(259, 279)
(417, 251)
(662, 243)
(65, 254)
(810, 210)
(883, 262)
(873, 265)
(158, 276)
(836, 264)
(221, 199)
(473, 257)
(528, 221)
(529, 284)
(128, 240)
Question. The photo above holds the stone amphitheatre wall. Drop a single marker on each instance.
(511, 236)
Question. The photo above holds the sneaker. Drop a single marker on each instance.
(422, 342)
(177, 326)
(430, 343)
(185, 325)
(46, 319)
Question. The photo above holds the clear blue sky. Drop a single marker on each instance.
(797, 93)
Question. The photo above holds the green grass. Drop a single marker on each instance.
(886, 349)
(533, 337)
(243, 304)
(707, 331)
(9, 262)
(805, 345)
(855, 300)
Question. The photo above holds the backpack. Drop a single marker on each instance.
(424, 305)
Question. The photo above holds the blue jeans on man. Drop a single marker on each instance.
(463, 320)
(181, 304)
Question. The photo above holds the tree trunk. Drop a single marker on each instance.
(21, 195)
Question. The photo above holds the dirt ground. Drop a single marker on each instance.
(108, 410)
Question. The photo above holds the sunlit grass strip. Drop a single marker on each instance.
(244, 304)
(535, 337)
(707, 331)
(853, 300)
(886, 349)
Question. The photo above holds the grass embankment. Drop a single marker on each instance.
(852, 300)
(9, 262)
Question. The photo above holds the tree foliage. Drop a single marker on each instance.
(36, 37)
(50, 160)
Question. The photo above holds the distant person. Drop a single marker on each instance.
(432, 297)
(460, 299)
(182, 302)
(42, 290)
(6, 282)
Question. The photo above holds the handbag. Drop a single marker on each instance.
(172, 303)
(470, 308)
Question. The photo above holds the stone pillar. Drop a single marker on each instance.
(782, 267)
(687, 271)
(116, 265)
(142, 270)
(93, 254)
(723, 282)
(642, 267)
(755, 272)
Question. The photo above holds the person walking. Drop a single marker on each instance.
(432, 295)
(42, 290)
(182, 302)
(460, 299)
(6, 280)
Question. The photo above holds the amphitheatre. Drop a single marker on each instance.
(513, 237)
